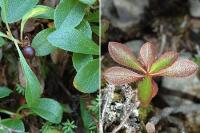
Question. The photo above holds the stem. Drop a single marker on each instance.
(6, 112)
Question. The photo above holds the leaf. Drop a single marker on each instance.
(88, 2)
(38, 11)
(180, 68)
(15, 124)
(148, 54)
(2, 34)
(41, 44)
(123, 55)
(93, 17)
(48, 109)
(85, 28)
(87, 78)
(73, 40)
(120, 76)
(69, 13)
(95, 29)
(16, 9)
(32, 91)
(85, 115)
(154, 88)
(164, 61)
(2, 41)
(145, 91)
(4, 92)
(80, 60)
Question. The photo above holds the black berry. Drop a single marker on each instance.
(28, 52)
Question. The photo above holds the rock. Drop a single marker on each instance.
(124, 14)
(175, 100)
(195, 8)
(189, 85)
(135, 45)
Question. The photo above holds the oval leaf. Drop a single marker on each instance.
(87, 78)
(145, 91)
(73, 40)
(41, 44)
(85, 28)
(120, 76)
(4, 92)
(16, 9)
(39, 10)
(80, 60)
(123, 55)
(69, 13)
(48, 109)
(15, 124)
(164, 61)
(181, 68)
(148, 54)
(32, 91)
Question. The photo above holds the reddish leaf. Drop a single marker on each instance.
(154, 89)
(164, 61)
(148, 54)
(145, 91)
(181, 68)
(120, 76)
(124, 56)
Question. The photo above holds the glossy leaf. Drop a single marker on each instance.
(73, 40)
(48, 109)
(80, 60)
(120, 76)
(14, 124)
(148, 54)
(16, 9)
(40, 43)
(4, 92)
(32, 91)
(123, 55)
(164, 61)
(88, 2)
(145, 91)
(85, 28)
(181, 68)
(38, 11)
(69, 13)
(155, 88)
(93, 17)
(87, 78)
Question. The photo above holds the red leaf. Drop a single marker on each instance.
(180, 68)
(148, 54)
(120, 76)
(124, 56)
(164, 61)
(155, 88)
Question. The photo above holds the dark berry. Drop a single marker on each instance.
(28, 52)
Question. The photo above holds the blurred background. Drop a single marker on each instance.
(170, 25)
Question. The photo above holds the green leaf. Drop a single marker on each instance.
(80, 60)
(16, 9)
(40, 12)
(73, 40)
(69, 13)
(33, 90)
(93, 17)
(48, 109)
(86, 116)
(41, 44)
(164, 61)
(88, 2)
(85, 28)
(95, 29)
(14, 124)
(87, 78)
(145, 91)
(2, 41)
(4, 92)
